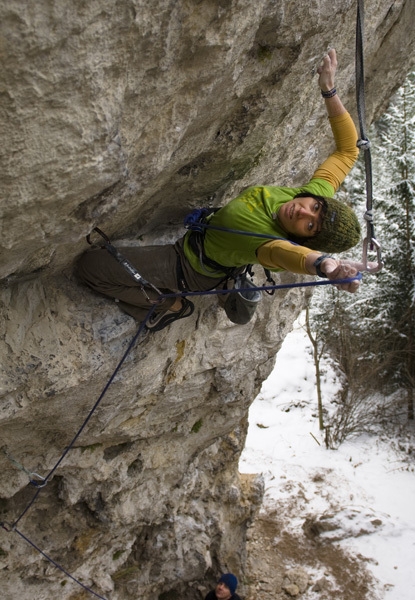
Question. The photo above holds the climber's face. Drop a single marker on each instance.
(222, 591)
(301, 217)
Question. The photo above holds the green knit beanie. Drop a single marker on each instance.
(340, 229)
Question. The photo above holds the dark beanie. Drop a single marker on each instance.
(340, 229)
(230, 580)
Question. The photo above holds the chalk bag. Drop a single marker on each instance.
(240, 306)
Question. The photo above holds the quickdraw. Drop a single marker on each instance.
(125, 263)
(370, 242)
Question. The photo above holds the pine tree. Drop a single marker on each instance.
(397, 155)
(371, 336)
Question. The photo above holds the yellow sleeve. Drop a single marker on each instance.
(282, 254)
(335, 168)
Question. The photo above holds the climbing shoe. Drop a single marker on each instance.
(160, 320)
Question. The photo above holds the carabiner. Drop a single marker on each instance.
(7, 526)
(375, 243)
(42, 481)
(101, 233)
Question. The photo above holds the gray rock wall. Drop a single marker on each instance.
(124, 115)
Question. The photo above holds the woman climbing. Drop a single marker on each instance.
(310, 223)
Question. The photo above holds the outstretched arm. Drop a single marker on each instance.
(326, 81)
(282, 254)
(339, 164)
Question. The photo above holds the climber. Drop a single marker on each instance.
(309, 221)
(225, 588)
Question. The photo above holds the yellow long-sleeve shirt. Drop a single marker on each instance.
(281, 254)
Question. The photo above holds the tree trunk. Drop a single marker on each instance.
(316, 359)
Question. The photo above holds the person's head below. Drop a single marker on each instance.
(322, 224)
(226, 586)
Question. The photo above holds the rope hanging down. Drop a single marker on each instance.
(40, 482)
(370, 241)
(53, 562)
(12, 527)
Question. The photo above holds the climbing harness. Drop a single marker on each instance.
(126, 264)
(197, 222)
(370, 241)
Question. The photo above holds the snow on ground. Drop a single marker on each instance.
(363, 489)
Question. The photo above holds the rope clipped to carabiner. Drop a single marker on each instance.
(370, 242)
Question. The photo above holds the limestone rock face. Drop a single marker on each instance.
(125, 114)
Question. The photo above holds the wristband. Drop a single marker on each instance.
(317, 263)
(329, 94)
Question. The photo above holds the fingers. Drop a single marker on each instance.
(360, 266)
(330, 59)
(335, 269)
(351, 287)
(325, 66)
(333, 57)
(329, 63)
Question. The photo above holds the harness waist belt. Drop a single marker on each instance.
(197, 246)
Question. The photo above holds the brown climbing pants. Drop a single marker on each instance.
(98, 269)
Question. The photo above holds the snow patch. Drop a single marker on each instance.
(361, 495)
